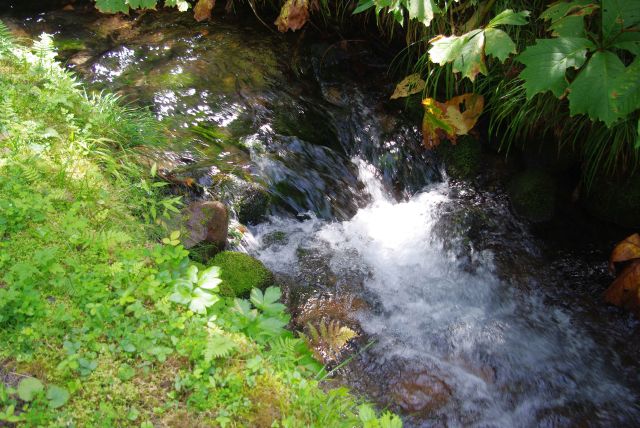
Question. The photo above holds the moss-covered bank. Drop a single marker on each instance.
(100, 323)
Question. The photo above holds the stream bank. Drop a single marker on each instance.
(477, 317)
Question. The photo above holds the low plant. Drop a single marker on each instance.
(104, 317)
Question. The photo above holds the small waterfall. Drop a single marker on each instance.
(507, 358)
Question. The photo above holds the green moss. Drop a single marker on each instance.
(616, 202)
(533, 195)
(462, 161)
(69, 45)
(241, 273)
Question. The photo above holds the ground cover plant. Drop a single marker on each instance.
(104, 318)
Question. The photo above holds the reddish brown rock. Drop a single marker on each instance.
(421, 392)
(205, 222)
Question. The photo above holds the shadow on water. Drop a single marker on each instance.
(476, 320)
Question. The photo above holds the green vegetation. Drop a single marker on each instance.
(100, 324)
(241, 273)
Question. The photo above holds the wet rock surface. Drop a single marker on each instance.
(206, 224)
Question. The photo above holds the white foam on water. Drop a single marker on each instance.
(433, 312)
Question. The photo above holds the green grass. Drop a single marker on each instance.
(93, 306)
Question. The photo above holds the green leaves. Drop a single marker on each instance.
(567, 18)
(218, 346)
(547, 61)
(267, 302)
(603, 88)
(468, 51)
(57, 396)
(509, 17)
(195, 289)
(112, 6)
(28, 388)
(419, 10)
(595, 83)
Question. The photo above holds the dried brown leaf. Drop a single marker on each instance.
(293, 15)
(202, 9)
(626, 250)
(624, 290)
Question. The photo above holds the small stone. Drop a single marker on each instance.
(206, 222)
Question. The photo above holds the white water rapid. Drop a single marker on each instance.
(507, 358)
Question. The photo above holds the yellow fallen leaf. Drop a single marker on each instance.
(412, 84)
(450, 119)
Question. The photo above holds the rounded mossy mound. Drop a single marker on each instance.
(616, 202)
(240, 273)
(461, 160)
(533, 195)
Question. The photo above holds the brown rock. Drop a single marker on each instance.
(205, 222)
(421, 392)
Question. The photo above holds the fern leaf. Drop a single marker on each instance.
(218, 346)
(6, 38)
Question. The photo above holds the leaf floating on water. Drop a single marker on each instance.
(410, 85)
(450, 119)
(293, 15)
(202, 9)
(626, 250)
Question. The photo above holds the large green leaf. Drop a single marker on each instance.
(421, 10)
(547, 61)
(28, 388)
(466, 52)
(509, 17)
(618, 15)
(590, 92)
(142, 4)
(625, 93)
(112, 6)
(498, 44)
(628, 41)
(567, 18)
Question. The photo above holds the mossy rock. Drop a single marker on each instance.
(462, 161)
(616, 202)
(240, 273)
(253, 204)
(533, 195)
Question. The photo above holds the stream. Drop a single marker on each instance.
(466, 315)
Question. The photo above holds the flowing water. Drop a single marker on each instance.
(466, 318)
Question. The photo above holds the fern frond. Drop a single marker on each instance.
(328, 339)
(6, 38)
(218, 346)
(44, 50)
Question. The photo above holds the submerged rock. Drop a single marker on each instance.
(253, 204)
(616, 202)
(240, 273)
(533, 195)
(205, 224)
(462, 161)
(421, 392)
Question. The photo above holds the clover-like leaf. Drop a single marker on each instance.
(28, 388)
(57, 396)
